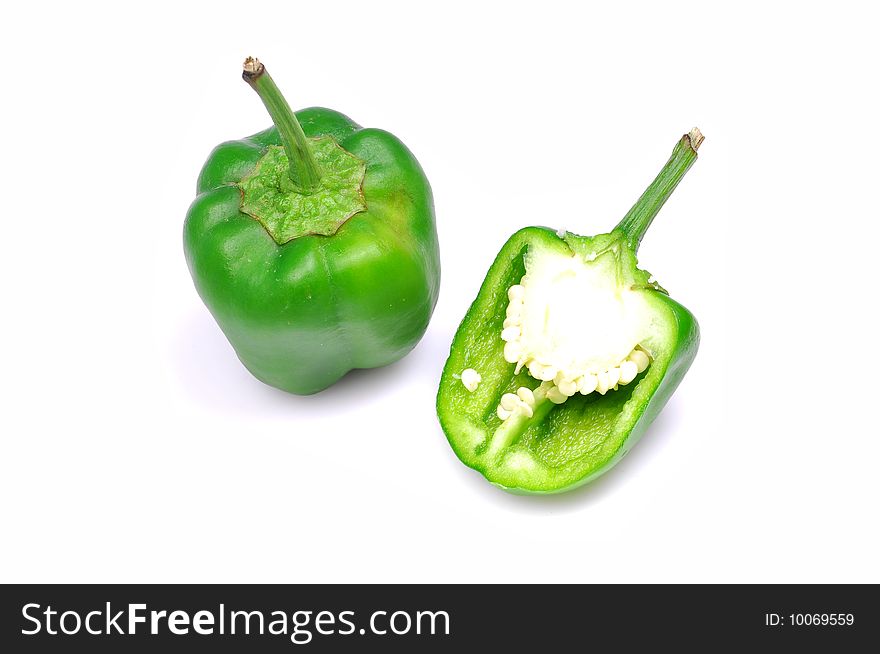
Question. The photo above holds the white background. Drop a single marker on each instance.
(136, 448)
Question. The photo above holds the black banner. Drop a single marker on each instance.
(420, 618)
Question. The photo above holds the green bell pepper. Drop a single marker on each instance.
(568, 352)
(313, 245)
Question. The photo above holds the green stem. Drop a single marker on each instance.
(304, 171)
(636, 222)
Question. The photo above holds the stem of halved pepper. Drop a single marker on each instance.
(304, 171)
(636, 222)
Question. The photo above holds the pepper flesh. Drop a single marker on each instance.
(304, 299)
(560, 440)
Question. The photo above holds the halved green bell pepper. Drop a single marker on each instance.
(313, 244)
(564, 428)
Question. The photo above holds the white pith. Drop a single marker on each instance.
(575, 327)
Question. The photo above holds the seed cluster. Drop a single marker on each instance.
(558, 384)
(523, 401)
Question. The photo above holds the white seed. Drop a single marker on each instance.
(628, 372)
(567, 387)
(510, 333)
(512, 351)
(504, 414)
(587, 384)
(471, 379)
(514, 310)
(602, 384)
(511, 322)
(526, 409)
(640, 359)
(516, 293)
(547, 373)
(526, 395)
(613, 377)
(556, 396)
(509, 401)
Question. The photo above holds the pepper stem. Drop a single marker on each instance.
(636, 222)
(304, 171)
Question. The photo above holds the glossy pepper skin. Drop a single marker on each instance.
(302, 313)
(567, 445)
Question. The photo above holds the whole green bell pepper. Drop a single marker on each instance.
(567, 353)
(313, 244)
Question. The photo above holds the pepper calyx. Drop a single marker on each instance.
(268, 195)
